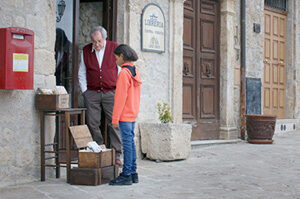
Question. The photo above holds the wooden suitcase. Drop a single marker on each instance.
(82, 136)
(93, 176)
(96, 160)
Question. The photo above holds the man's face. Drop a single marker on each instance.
(98, 40)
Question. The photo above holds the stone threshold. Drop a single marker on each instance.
(204, 143)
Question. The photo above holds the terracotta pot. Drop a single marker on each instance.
(260, 128)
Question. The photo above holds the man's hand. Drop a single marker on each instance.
(115, 125)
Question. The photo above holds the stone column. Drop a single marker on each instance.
(293, 60)
(297, 57)
(228, 128)
(176, 56)
(290, 60)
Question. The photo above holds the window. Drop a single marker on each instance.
(278, 4)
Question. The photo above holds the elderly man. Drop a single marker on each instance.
(97, 76)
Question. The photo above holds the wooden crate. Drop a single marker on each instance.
(93, 176)
(52, 102)
(82, 136)
(96, 160)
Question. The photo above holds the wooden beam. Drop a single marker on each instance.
(75, 54)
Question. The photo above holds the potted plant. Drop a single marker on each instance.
(164, 113)
(165, 141)
(260, 128)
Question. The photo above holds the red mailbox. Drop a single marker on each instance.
(16, 58)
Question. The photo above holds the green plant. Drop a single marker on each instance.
(164, 112)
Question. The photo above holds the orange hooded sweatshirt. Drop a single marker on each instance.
(127, 96)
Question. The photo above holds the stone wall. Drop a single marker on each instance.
(254, 41)
(154, 68)
(19, 121)
(90, 16)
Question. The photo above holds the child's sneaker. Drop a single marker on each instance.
(122, 180)
(135, 178)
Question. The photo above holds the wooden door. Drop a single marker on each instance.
(201, 68)
(274, 85)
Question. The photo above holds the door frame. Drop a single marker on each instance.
(109, 23)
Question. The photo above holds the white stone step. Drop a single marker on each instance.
(204, 143)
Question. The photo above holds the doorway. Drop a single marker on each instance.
(201, 67)
(74, 20)
(74, 24)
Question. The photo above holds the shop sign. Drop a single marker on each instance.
(153, 29)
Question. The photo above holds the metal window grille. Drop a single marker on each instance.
(278, 4)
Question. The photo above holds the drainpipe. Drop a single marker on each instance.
(243, 69)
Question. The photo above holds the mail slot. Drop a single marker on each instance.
(16, 58)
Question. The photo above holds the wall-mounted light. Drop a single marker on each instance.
(60, 10)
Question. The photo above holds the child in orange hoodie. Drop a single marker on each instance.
(126, 108)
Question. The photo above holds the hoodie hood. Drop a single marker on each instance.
(137, 79)
(131, 69)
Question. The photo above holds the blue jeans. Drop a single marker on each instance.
(129, 152)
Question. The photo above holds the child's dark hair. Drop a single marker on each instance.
(128, 53)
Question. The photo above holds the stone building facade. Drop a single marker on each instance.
(161, 72)
(19, 120)
(231, 19)
(162, 83)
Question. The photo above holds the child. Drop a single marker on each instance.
(126, 108)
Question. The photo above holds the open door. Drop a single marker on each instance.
(74, 20)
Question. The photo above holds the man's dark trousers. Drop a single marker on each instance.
(95, 101)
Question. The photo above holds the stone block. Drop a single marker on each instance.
(229, 133)
(20, 21)
(165, 142)
(9, 2)
(6, 21)
(44, 62)
(50, 82)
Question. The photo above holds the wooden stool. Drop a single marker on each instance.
(66, 113)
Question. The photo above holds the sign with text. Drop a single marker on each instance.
(153, 29)
(20, 62)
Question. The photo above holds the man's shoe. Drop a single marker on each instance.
(122, 180)
(135, 178)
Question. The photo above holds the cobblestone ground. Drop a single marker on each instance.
(239, 170)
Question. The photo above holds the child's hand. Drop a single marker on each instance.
(115, 125)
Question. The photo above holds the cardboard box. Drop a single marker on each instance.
(82, 137)
(93, 176)
(52, 102)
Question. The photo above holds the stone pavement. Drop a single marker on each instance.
(232, 171)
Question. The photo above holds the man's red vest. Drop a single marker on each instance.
(103, 79)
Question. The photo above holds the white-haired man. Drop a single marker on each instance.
(97, 76)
